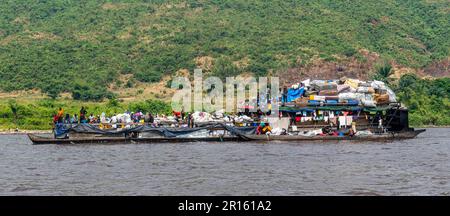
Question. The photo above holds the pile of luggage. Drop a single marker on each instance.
(342, 92)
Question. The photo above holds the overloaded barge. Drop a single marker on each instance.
(345, 109)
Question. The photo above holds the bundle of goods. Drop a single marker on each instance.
(366, 90)
(382, 99)
(218, 114)
(392, 98)
(320, 85)
(309, 93)
(348, 92)
(294, 93)
(344, 88)
(202, 117)
(352, 83)
(368, 101)
(301, 102)
(243, 118)
(328, 92)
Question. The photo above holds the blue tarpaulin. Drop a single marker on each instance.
(293, 94)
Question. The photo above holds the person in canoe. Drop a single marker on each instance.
(263, 128)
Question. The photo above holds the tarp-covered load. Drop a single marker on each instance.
(62, 130)
(293, 93)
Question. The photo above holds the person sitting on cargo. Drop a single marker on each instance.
(269, 108)
(83, 115)
(182, 114)
(146, 117)
(259, 128)
(91, 118)
(189, 120)
(60, 115)
(74, 119)
(259, 113)
(177, 115)
(266, 129)
(351, 132)
(113, 121)
(151, 120)
(55, 118)
(67, 119)
(60, 112)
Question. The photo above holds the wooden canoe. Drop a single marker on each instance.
(376, 137)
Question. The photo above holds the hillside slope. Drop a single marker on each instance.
(82, 47)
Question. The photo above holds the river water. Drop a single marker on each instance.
(419, 166)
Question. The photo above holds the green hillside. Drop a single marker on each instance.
(90, 49)
(81, 47)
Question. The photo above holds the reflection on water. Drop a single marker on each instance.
(410, 167)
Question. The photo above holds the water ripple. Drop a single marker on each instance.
(408, 167)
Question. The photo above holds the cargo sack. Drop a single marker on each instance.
(351, 96)
(364, 84)
(377, 85)
(317, 82)
(368, 101)
(391, 94)
(320, 85)
(302, 102)
(342, 80)
(381, 91)
(366, 90)
(382, 98)
(309, 93)
(306, 83)
(327, 86)
(328, 92)
(342, 88)
(352, 83)
(332, 97)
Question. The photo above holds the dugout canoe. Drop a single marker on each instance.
(375, 137)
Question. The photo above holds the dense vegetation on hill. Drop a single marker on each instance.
(427, 100)
(82, 47)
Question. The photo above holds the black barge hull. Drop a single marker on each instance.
(36, 139)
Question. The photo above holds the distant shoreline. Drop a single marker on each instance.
(23, 132)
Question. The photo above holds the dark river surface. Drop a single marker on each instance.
(419, 166)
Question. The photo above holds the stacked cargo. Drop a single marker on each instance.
(342, 92)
